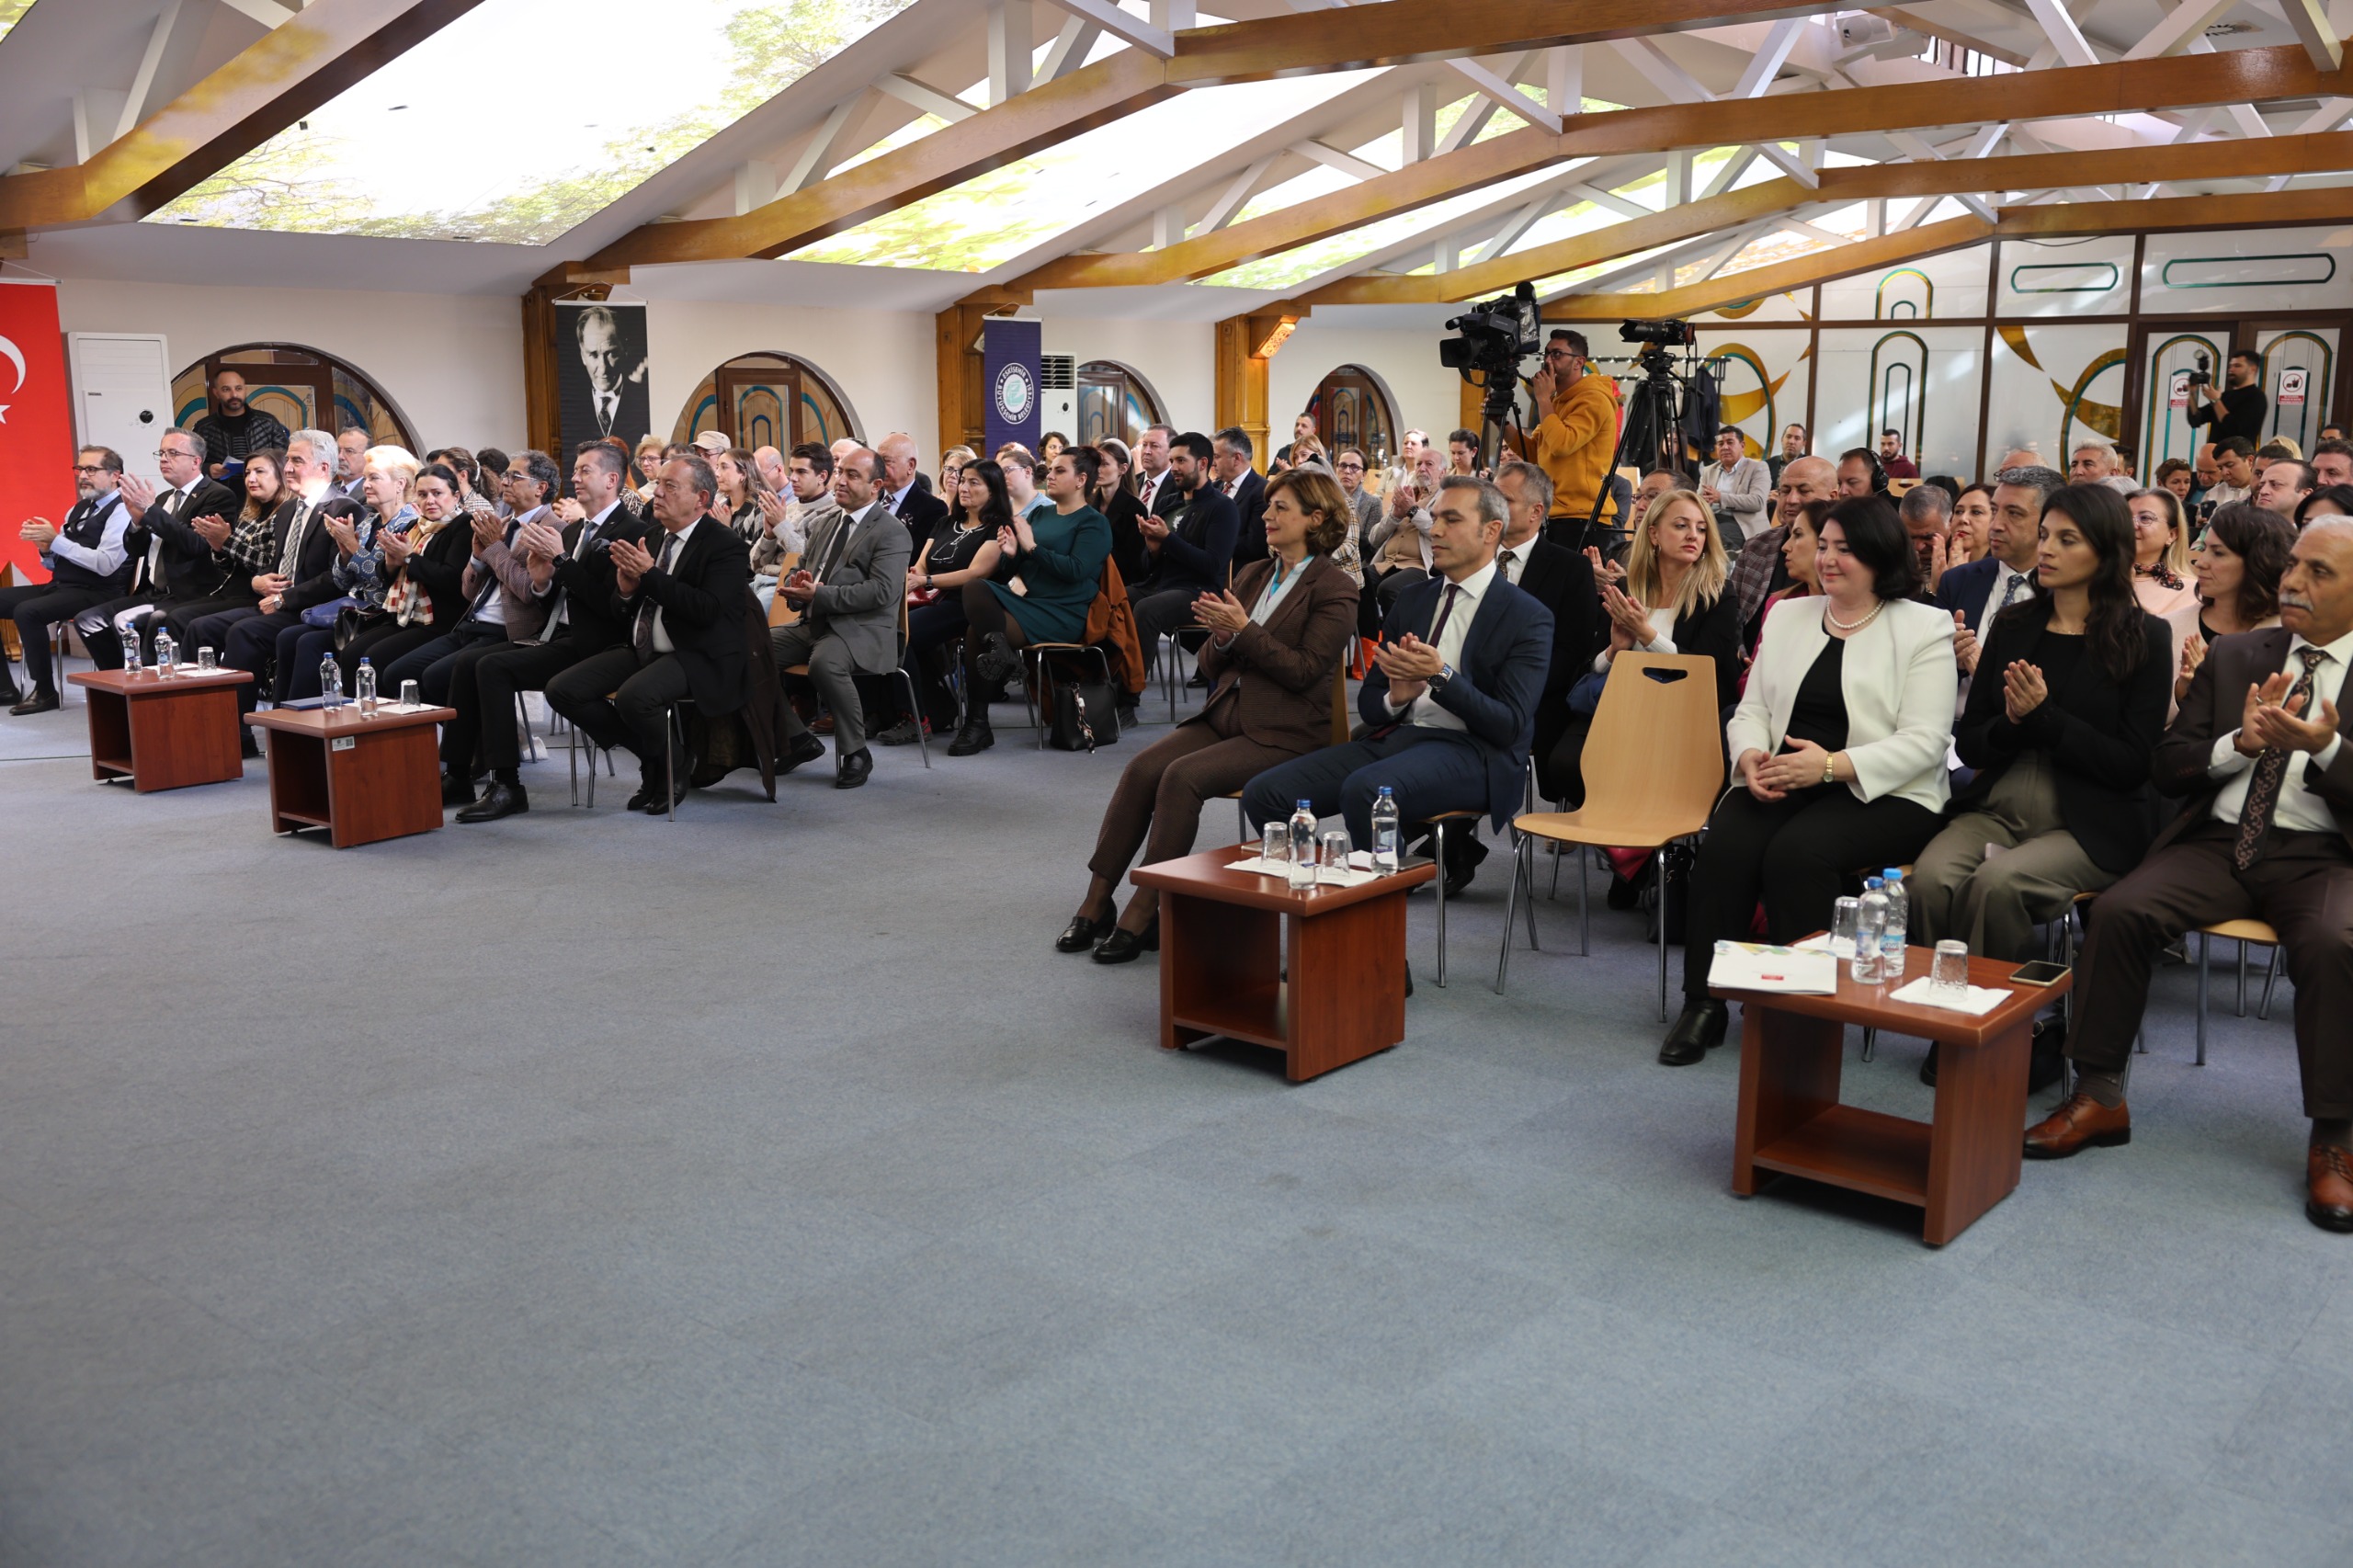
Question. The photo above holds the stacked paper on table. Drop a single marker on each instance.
(1789, 971)
(1350, 875)
(1974, 1000)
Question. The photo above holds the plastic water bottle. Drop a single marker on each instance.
(1386, 831)
(168, 653)
(330, 681)
(1302, 846)
(1871, 927)
(365, 680)
(1891, 941)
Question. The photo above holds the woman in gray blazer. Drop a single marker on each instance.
(1838, 753)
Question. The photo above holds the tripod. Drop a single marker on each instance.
(1651, 438)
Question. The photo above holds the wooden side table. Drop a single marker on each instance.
(361, 777)
(160, 733)
(1224, 951)
(1953, 1168)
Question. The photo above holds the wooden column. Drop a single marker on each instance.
(963, 368)
(1246, 346)
(542, 421)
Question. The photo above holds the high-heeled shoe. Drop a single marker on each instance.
(1122, 945)
(1081, 934)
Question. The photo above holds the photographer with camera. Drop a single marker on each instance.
(1578, 436)
(2240, 409)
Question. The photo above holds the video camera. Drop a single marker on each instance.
(1495, 337)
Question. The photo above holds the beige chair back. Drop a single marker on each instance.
(1654, 761)
(779, 612)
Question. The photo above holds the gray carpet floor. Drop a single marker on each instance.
(587, 1189)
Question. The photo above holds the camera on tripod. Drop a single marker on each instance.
(1493, 337)
(2204, 375)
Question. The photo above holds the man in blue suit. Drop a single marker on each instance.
(1451, 701)
(1978, 589)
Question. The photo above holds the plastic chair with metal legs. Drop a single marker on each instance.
(2243, 932)
(579, 742)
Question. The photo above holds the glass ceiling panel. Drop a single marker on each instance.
(513, 123)
(1298, 265)
(991, 218)
(11, 13)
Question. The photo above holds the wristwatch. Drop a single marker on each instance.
(1438, 682)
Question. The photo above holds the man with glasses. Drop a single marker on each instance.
(87, 563)
(1351, 469)
(1578, 434)
(178, 549)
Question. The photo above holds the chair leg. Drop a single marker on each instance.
(1438, 840)
(1526, 854)
(2242, 979)
(915, 709)
(572, 764)
(1585, 901)
(2202, 940)
(670, 762)
(1870, 1043)
(1659, 880)
(1511, 909)
(1242, 822)
(2271, 979)
(531, 737)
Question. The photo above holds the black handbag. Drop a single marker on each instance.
(1086, 715)
(350, 622)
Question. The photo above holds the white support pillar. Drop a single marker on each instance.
(1564, 79)
(1010, 43)
(1421, 123)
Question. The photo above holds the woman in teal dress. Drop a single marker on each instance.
(1055, 568)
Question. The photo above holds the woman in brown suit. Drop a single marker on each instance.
(1276, 637)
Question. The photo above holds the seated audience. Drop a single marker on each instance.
(2328, 501)
(363, 570)
(252, 550)
(1020, 478)
(303, 552)
(1838, 761)
(2234, 472)
(683, 605)
(1673, 602)
(651, 452)
(572, 566)
(1276, 637)
(2283, 485)
(1927, 514)
(2177, 475)
(962, 550)
(1050, 446)
(1760, 570)
(2240, 558)
(177, 545)
(1350, 468)
(737, 505)
(2160, 553)
(902, 491)
(2073, 697)
(1155, 486)
(1110, 495)
(951, 468)
(88, 564)
(503, 602)
(1398, 546)
(848, 589)
(1056, 569)
(1189, 554)
(1560, 579)
(1230, 457)
(785, 529)
(1800, 547)
(2332, 462)
(424, 568)
(1860, 473)
(2267, 833)
(1451, 701)
(1737, 488)
(1974, 594)
(234, 429)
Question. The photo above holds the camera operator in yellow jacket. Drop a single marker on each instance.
(1579, 433)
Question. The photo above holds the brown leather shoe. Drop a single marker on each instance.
(2328, 1177)
(2080, 1123)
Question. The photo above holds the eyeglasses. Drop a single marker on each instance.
(89, 468)
(1354, 467)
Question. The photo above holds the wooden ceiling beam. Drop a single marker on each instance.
(324, 48)
(2248, 75)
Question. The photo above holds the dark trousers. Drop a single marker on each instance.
(189, 623)
(35, 607)
(382, 644)
(251, 643)
(1427, 768)
(933, 629)
(432, 664)
(2302, 888)
(1560, 767)
(833, 670)
(299, 657)
(483, 735)
(105, 644)
(1156, 805)
(635, 711)
(1796, 852)
(1160, 613)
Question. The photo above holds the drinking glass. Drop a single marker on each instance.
(1277, 846)
(1843, 915)
(409, 699)
(1335, 859)
(1949, 971)
(206, 660)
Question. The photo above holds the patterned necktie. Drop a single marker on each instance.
(2008, 590)
(2270, 768)
(293, 552)
(644, 636)
(1504, 561)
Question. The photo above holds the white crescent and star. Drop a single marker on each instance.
(16, 356)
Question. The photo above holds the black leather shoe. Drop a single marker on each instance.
(8, 692)
(1081, 934)
(498, 800)
(1700, 1030)
(903, 733)
(248, 743)
(457, 791)
(42, 700)
(659, 801)
(648, 791)
(974, 737)
(997, 661)
(1463, 854)
(1123, 946)
(855, 769)
(803, 747)
(1198, 681)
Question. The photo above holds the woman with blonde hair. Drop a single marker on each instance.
(2160, 553)
(951, 471)
(1673, 602)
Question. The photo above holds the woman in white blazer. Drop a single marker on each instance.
(1838, 753)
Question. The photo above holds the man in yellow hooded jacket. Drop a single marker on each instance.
(1579, 434)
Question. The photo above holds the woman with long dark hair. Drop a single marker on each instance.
(1057, 553)
(2238, 562)
(962, 548)
(2066, 707)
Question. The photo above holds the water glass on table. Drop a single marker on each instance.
(1949, 971)
(1335, 860)
(410, 697)
(1275, 848)
(1843, 915)
(206, 660)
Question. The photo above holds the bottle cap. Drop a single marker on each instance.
(1304, 806)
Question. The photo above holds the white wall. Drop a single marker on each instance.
(1177, 358)
(882, 360)
(453, 363)
(1427, 394)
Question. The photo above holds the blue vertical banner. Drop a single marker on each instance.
(1009, 351)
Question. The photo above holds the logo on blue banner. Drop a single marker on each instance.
(1009, 351)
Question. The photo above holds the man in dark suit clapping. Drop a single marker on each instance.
(683, 605)
(903, 493)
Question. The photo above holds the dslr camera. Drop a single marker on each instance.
(2204, 375)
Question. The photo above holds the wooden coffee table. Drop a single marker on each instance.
(1953, 1168)
(361, 777)
(163, 733)
(1223, 952)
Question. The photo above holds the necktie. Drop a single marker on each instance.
(1444, 608)
(2008, 589)
(645, 637)
(1504, 561)
(2270, 769)
(834, 546)
(605, 411)
(294, 551)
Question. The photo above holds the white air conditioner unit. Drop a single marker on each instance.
(123, 393)
(1861, 30)
(1058, 398)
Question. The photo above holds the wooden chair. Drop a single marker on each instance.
(2241, 932)
(1654, 769)
(779, 612)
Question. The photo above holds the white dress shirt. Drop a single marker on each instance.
(1511, 560)
(1149, 488)
(1425, 710)
(2299, 811)
(1994, 603)
(662, 644)
(492, 610)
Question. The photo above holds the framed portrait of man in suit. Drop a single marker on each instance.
(600, 369)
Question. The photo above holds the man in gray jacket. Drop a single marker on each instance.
(848, 588)
(1737, 486)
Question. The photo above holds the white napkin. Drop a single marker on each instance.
(1975, 1000)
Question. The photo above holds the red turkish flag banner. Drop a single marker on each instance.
(36, 420)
